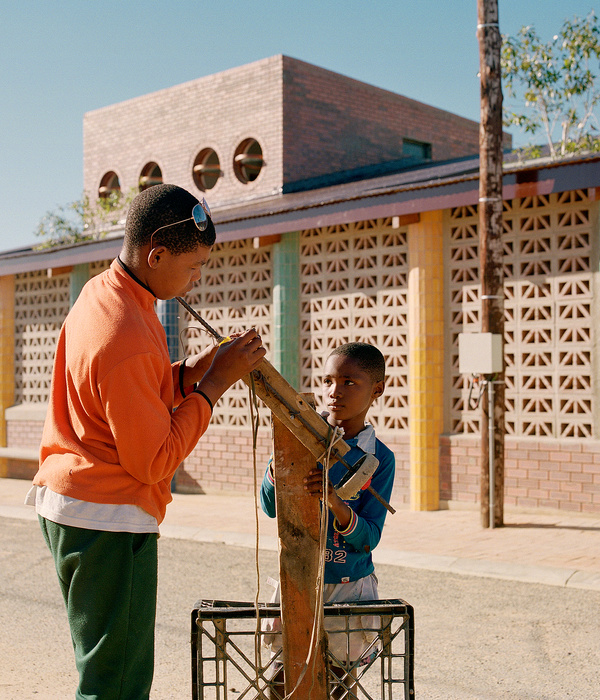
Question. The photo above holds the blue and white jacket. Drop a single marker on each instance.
(348, 556)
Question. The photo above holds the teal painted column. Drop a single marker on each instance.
(167, 311)
(80, 274)
(286, 307)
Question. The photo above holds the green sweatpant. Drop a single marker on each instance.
(109, 583)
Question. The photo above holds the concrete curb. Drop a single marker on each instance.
(235, 539)
(546, 575)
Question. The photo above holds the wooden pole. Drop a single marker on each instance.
(490, 248)
(298, 516)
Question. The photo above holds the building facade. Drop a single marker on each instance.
(345, 212)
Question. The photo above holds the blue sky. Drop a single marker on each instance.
(63, 58)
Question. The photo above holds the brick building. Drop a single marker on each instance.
(345, 212)
(301, 121)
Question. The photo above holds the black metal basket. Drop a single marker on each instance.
(229, 661)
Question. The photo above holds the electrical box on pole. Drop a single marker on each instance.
(480, 356)
(479, 353)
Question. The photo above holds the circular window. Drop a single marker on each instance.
(207, 169)
(109, 185)
(151, 175)
(248, 160)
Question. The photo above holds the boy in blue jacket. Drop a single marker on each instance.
(354, 377)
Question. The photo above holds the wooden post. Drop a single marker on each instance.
(298, 517)
(490, 245)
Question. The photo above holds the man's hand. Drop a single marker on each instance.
(196, 366)
(232, 361)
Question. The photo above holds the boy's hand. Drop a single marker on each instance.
(313, 484)
(232, 361)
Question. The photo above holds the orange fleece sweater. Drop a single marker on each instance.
(111, 434)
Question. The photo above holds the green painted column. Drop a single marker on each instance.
(286, 307)
(80, 274)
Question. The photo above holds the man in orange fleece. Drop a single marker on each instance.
(112, 440)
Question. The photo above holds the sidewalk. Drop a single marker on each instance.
(557, 549)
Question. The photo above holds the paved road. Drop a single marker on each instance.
(476, 638)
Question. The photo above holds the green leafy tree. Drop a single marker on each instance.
(83, 219)
(554, 84)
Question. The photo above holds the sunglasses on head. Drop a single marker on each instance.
(200, 216)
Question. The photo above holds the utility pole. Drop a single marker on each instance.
(491, 254)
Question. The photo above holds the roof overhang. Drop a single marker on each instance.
(409, 193)
(385, 197)
(61, 256)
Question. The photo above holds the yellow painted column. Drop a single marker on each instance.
(426, 357)
(7, 356)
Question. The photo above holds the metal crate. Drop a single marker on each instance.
(230, 663)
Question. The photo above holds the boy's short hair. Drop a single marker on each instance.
(367, 357)
(161, 205)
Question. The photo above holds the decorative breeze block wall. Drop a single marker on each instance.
(549, 344)
(234, 293)
(354, 287)
(41, 305)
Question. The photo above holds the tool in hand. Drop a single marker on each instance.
(311, 429)
(217, 336)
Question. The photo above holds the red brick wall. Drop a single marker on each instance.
(24, 434)
(332, 123)
(401, 449)
(459, 468)
(223, 461)
(548, 474)
(20, 469)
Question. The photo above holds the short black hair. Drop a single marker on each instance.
(367, 357)
(162, 205)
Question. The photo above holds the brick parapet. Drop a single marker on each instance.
(334, 123)
(309, 122)
(171, 126)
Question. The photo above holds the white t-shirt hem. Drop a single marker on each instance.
(108, 517)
